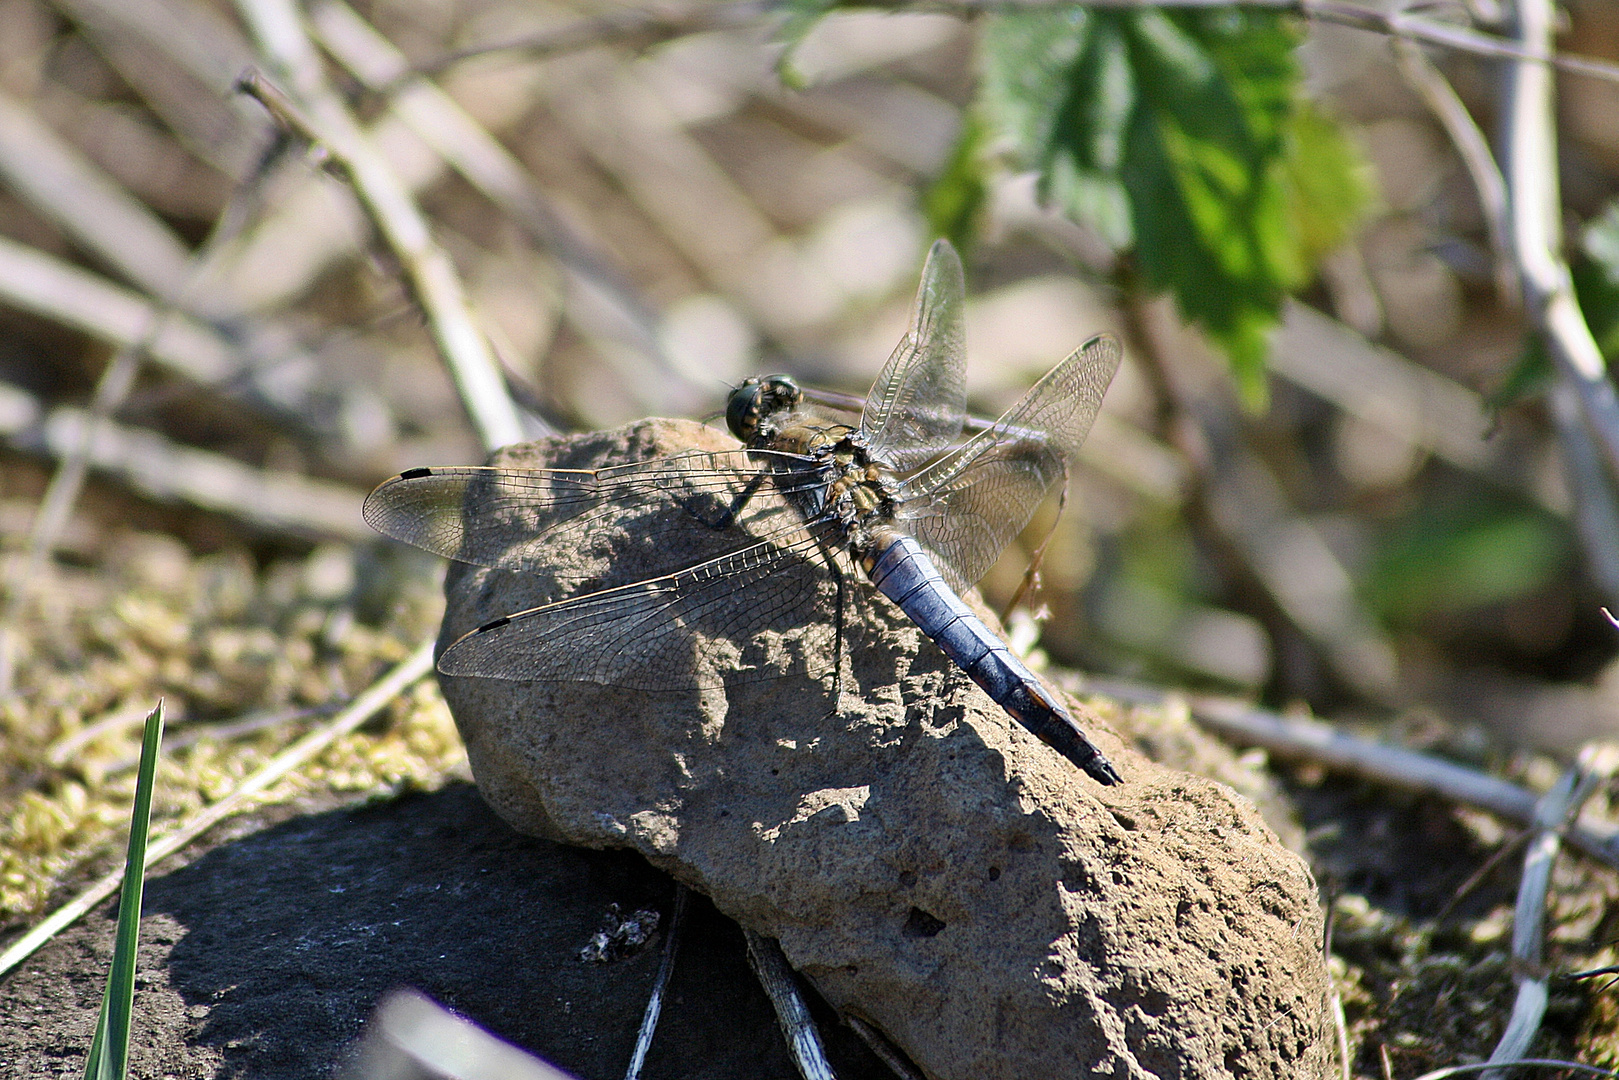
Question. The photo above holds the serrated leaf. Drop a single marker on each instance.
(1182, 138)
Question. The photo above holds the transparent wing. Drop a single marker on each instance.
(968, 505)
(916, 407)
(516, 519)
(755, 613)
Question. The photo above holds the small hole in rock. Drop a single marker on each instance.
(920, 924)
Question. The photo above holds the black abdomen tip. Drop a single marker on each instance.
(1102, 771)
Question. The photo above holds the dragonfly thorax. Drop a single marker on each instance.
(756, 399)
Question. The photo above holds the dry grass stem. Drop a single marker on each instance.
(434, 282)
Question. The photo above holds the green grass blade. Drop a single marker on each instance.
(109, 1050)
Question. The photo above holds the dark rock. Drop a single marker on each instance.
(264, 957)
(933, 868)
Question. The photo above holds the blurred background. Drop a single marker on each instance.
(643, 211)
(1379, 514)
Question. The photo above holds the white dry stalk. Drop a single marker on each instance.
(277, 25)
(1594, 767)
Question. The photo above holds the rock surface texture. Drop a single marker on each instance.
(930, 866)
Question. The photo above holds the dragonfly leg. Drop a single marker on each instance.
(727, 517)
(837, 625)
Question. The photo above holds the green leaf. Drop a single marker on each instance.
(1458, 558)
(1597, 291)
(1596, 279)
(109, 1049)
(954, 202)
(1183, 139)
(1601, 242)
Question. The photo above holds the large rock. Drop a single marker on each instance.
(931, 867)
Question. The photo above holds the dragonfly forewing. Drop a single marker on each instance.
(515, 519)
(755, 613)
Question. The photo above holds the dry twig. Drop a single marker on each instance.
(1309, 740)
(1594, 767)
(324, 121)
(776, 976)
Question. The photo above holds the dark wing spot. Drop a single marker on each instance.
(415, 474)
(497, 624)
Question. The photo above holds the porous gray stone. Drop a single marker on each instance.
(929, 865)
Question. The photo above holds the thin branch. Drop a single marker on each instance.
(321, 118)
(373, 700)
(1278, 564)
(277, 502)
(1313, 741)
(803, 1041)
(651, 27)
(51, 288)
(410, 1035)
(1591, 491)
(1474, 149)
(886, 1052)
(1398, 24)
(463, 143)
(660, 984)
(1522, 1063)
(87, 205)
(1530, 154)
(644, 27)
(1594, 767)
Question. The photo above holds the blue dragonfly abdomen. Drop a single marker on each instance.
(900, 569)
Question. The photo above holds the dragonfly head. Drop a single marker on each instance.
(757, 398)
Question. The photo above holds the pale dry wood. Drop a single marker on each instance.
(776, 976)
(629, 129)
(318, 223)
(1530, 165)
(1378, 385)
(1289, 555)
(1398, 22)
(1592, 493)
(411, 1037)
(277, 25)
(275, 502)
(1594, 768)
(660, 984)
(81, 201)
(33, 281)
(603, 302)
(1311, 740)
(1474, 150)
(181, 56)
(640, 28)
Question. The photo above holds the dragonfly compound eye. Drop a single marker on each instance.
(742, 409)
(758, 398)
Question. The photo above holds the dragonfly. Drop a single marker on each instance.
(908, 497)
